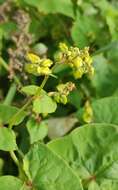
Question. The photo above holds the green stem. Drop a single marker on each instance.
(42, 85)
(22, 174)
(13, 119)
(5, 65)
(13, 156)
(10, 94)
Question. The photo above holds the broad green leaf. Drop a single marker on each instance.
(92, 152)
(105, 110)
(93, 186)
(105, 78)
(37, 131)
(7, 112)
(7, 139)
(44, 104)
(30, 89)
(12, 183)
(48, 171)
(53, 6)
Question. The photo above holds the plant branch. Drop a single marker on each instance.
(12, 121)
(13, 156)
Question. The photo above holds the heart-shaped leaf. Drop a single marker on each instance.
(30, 89)
(37, 130)
(48, 171)
(44, 104)
(92, 152)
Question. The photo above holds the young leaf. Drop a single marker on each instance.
(7, 112)
(30, 90)
(48, 171)
(37, 131)
(92, 152)
(44, 104)
(7, 139)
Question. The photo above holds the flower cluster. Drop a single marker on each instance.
(37, 66)
(63, 90)
(79, 60)
(88, 113)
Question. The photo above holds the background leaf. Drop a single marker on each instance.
(53, 6)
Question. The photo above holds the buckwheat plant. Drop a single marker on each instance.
(39, 103)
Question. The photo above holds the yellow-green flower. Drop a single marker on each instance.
(63, 90)
(38, 66)
(79, 60)
(63, 47)
(78, 73)
(44, 71)
(88, 113)
(33, 58)
(47, 63)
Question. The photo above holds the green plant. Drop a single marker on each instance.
(58, 101)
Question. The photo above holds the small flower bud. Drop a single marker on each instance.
(63, 47)
(44, 71)
(77, 62)
(91, 71)
(88, 112)
(63, 99)
(30, 68)
(57, 97)
(78, 74)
